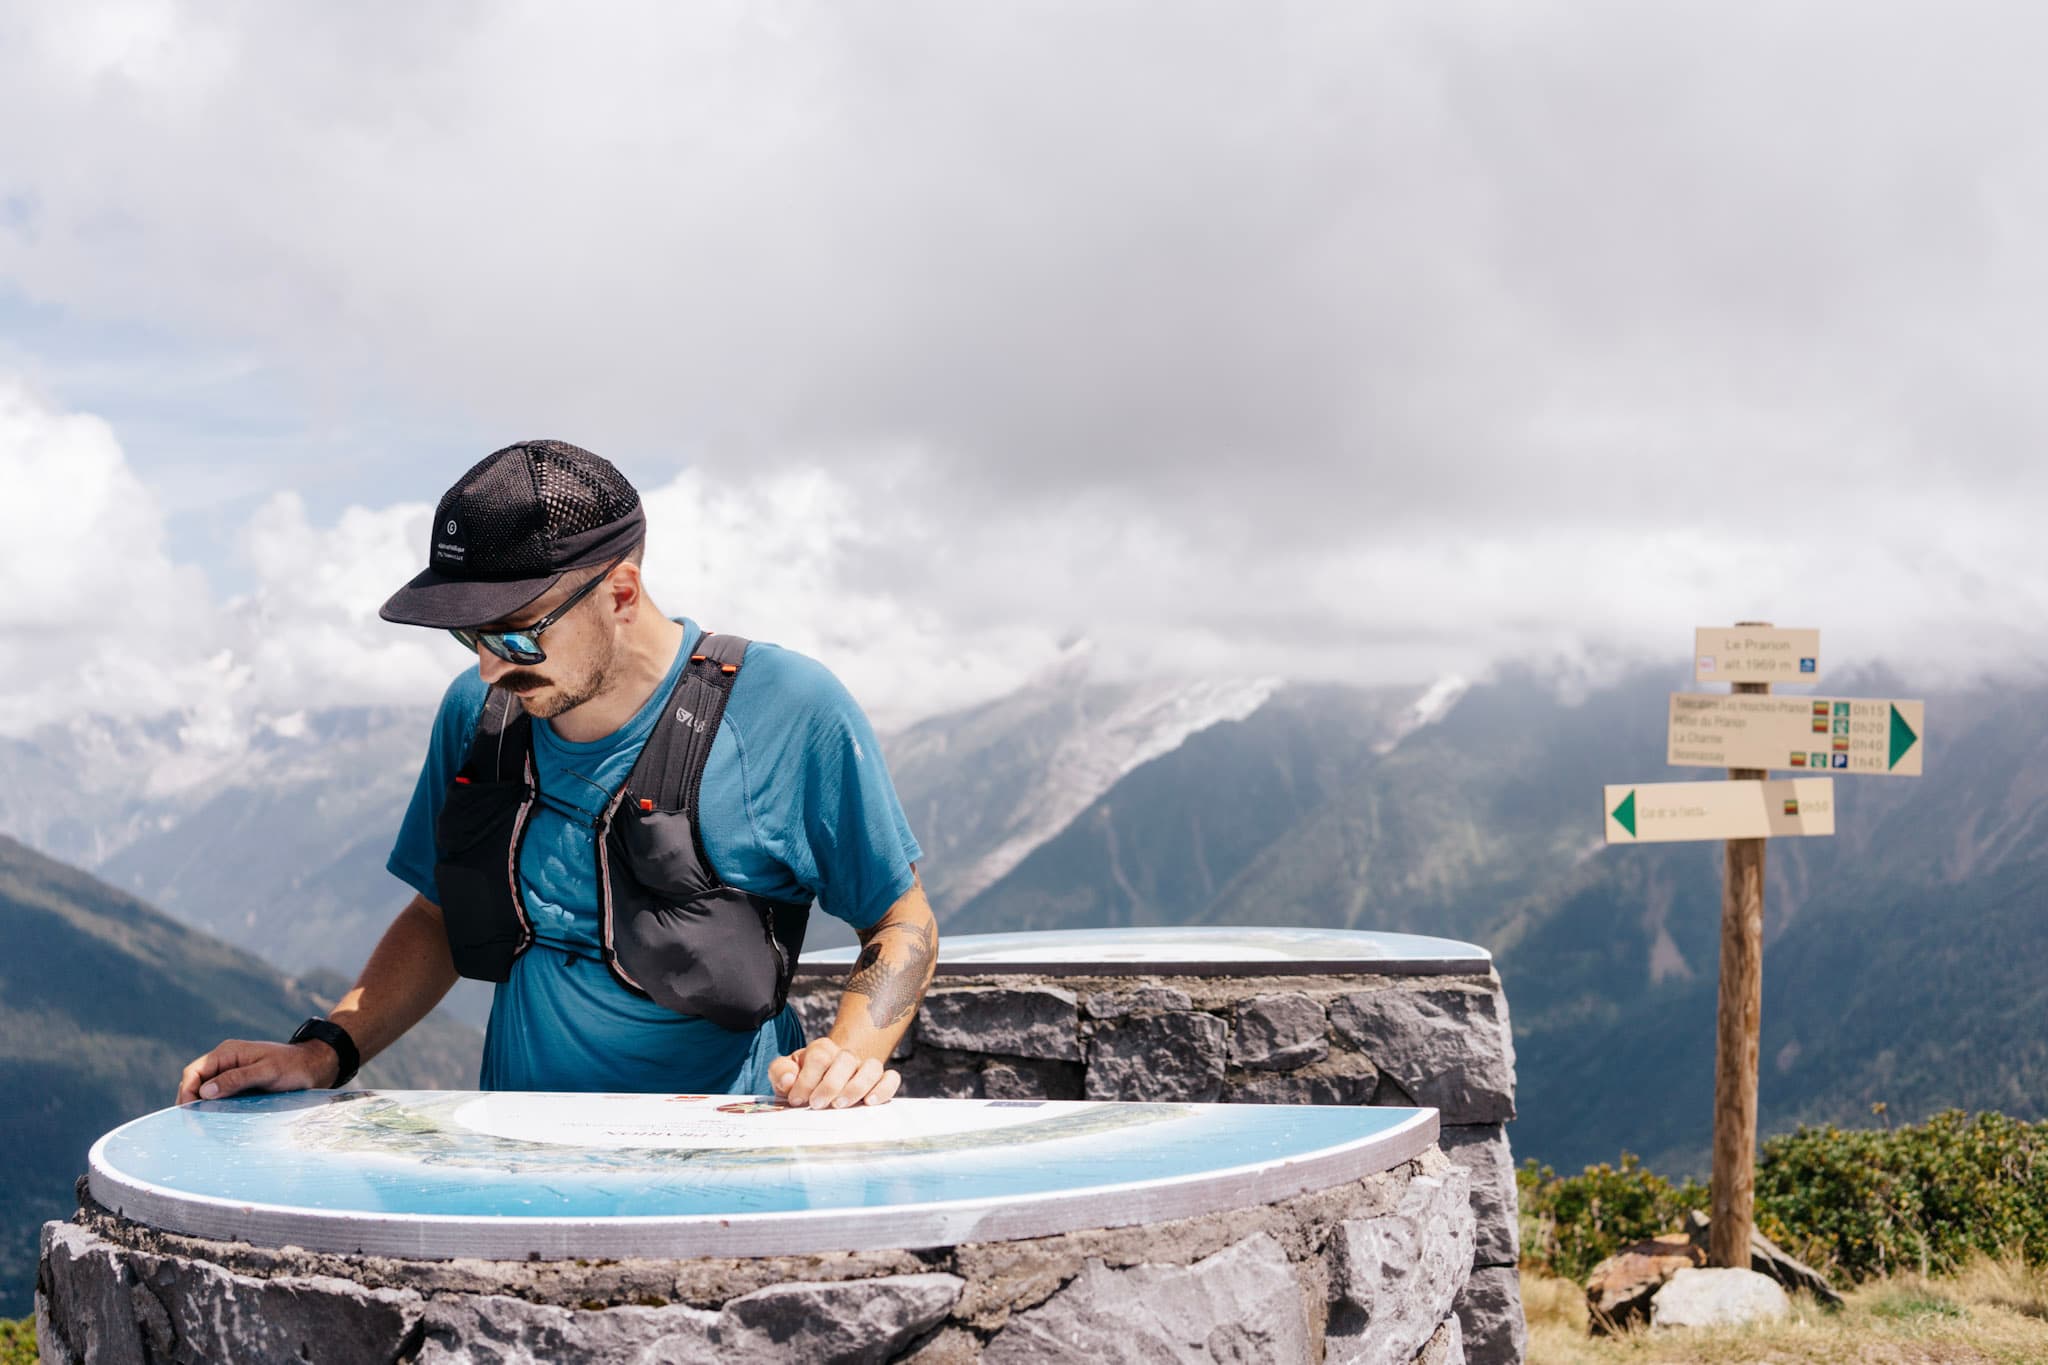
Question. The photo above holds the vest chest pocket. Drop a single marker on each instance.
(477, 837)
(662, 852)
(474, 811)
(683, 939)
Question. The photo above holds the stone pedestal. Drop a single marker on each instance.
(1394, 1021)
(1367, 1270)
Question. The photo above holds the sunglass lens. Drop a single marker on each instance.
(516, 647)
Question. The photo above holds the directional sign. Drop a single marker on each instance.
(1670, 812)
(1755, 654)
(1818, 734)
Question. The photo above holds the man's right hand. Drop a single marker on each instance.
(236, 1067)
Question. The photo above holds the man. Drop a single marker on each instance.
(622, 820)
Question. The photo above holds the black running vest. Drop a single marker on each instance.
(670, 929)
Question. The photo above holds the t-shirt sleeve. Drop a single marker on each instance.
(828, 801)
(413, 855)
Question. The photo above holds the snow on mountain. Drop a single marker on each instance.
(1153, 719)
(90, 788)
(1432, 706)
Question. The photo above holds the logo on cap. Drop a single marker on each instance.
(451, 526)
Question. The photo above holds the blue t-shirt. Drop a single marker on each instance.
(796, 804)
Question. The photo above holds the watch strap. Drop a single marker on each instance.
(335, 1036)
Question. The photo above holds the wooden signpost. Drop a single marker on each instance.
(1748, 733)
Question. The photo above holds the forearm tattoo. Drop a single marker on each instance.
(893, 988)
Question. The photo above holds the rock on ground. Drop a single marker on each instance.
(1718, 1297)
(1619, 1290)
(1766, 1258)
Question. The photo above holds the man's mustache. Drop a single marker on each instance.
(517, 681)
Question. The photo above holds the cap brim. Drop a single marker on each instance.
(449, 603)
(434, 599)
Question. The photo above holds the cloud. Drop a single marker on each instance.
(1377, 340)
(97, 614)
(110, 623)
(815, 556)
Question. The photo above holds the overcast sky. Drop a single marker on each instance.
(1359, 341)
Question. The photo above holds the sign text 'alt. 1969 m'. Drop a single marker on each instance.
(1755, 654)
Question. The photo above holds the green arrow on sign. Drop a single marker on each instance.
(1625, 814)
(1903, 737)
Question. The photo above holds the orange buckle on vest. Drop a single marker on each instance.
(729, 669)
(645, 804)
(696, 658)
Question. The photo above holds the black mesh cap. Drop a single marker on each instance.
(511, 526)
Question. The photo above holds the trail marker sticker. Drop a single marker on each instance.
(1673, 812)
(1849, 735)
(1755, 654)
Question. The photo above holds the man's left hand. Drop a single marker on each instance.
(825, 1075)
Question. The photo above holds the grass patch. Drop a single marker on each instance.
(1907, 1304)
(1991, 1311)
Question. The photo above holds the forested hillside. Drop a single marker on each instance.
(102, 1001)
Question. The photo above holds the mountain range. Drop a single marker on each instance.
(103, 1000)
(1902, 956)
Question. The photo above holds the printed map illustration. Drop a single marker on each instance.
(465, 1154)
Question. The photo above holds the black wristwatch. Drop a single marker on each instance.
(335, 1036)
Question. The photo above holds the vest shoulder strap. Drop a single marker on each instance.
(504, 734)
(670, 770)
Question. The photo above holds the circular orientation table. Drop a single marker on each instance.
(512, 1175)
(1204, 950)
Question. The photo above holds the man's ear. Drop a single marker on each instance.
(625, 592)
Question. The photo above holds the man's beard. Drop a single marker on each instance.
(561, 694)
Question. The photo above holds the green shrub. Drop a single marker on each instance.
(1853, 1203)
(1859, 1203)
(1572, 1223)
(18, 1341)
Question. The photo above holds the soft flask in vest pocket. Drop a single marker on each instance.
(685, 940)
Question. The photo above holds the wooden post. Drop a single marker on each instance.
(1738, 1028)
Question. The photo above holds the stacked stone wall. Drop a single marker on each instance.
(1368, 1271)
(1440, 1041)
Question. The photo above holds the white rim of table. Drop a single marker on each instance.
(936, 1224)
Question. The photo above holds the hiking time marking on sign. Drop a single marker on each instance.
(1674, 812)
(1755, 654)
(1831, 734)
